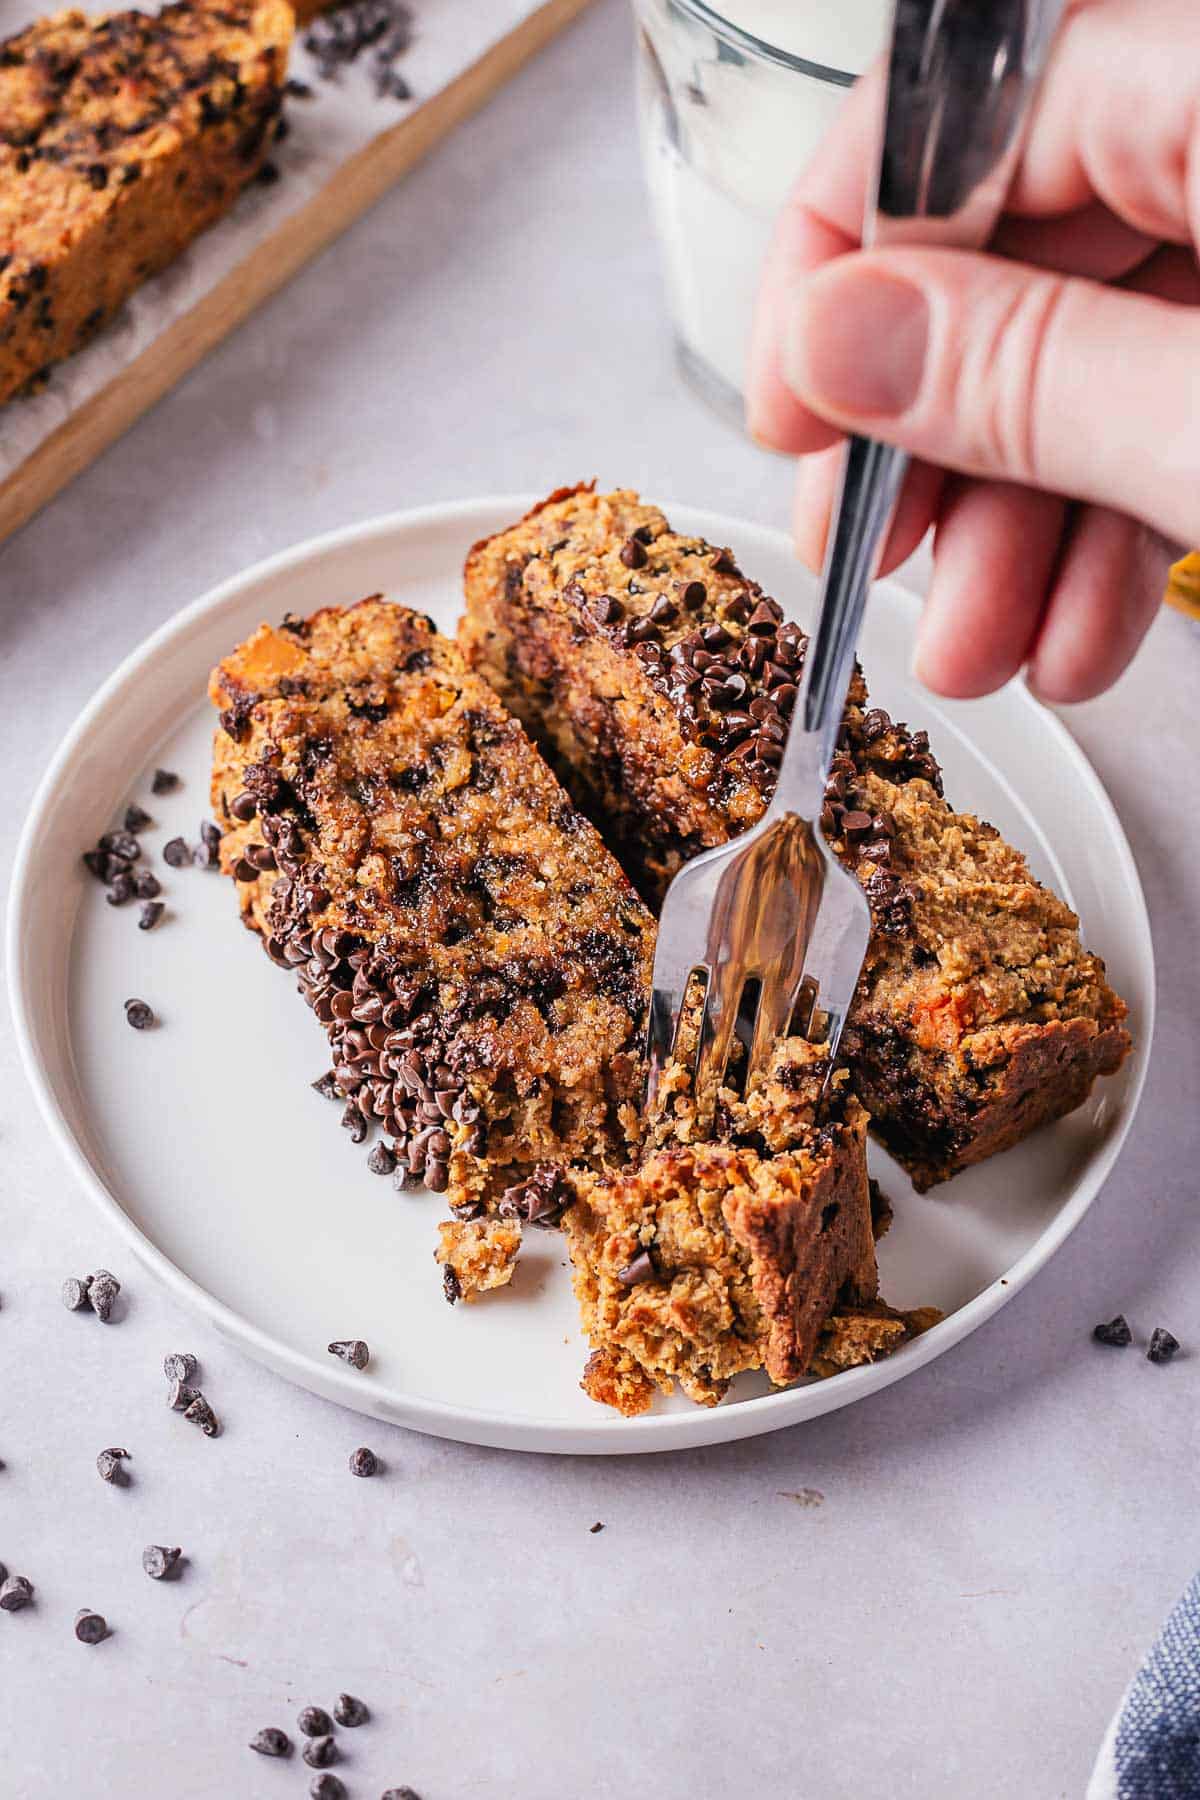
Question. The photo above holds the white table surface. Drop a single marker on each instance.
(996, 1538)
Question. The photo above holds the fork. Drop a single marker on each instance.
(771, 923)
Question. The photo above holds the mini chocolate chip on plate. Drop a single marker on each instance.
(108, 1466)
(382, 1160)
(598, 1526)
(75, 1294)
(314, 1721)
(180, 1365)
(164, 781)
(180, 1396)
(15, 1592)
(136, 818)
(404, 1793)
(1116, 1332)
(103, 1289)
(176, 853)
(349, 1710)
(319, 1752)
(139, 1015)
(121, 890)
(146, 884)
(351, 1350)
(149, 915)
(206, 855)
(1163, 1345)
(272, 1742)
(90, 1627)
(200, 1413)
(364, 1462)
(122, 844)
(327, 1787)
(159, 1562)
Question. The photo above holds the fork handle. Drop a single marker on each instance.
(872, 475)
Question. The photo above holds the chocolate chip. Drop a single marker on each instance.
(1163, 1345)
(764, 620)
(451, 1285)
(15, 1592)
(159, 1562)
(298, 90)
(715, 637)
(243, 870)
(164, 781)
(260, 857)
(206, 856)
(319, 1752)
(272, 1742)
(400, 1793)
(314, 1721)
(90, 1627)
(180, 1396)
(350, 1711)
(149, 915)
(96, 862)
(640, 1269)
(437, 1176)
(108, 1467)
(1116, 1332)
(598, 1526)
(75, 1294)
(121, 890)
(364, 1462)
(176, 853)
(146, 884)
(856, 826)
(606, 609)
(351, 1350)
(722, 561)
(243, 807)
(354, 1122)
(633, 553)
(180, 1365)
(122, 844)
(640, 631)
(664, 611)
(200, 1413)
(381, 1161)
(136, 818)
(330, 1787)
(694, 596)
(103, 1289)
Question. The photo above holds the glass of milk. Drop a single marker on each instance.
(732, 104)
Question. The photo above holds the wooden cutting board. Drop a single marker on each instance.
(357, 148)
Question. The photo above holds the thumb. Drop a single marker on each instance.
(994, 369)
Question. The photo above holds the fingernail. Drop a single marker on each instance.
(855, 341)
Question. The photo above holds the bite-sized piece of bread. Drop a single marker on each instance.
(660, 682)
(477, 1255)
(477, 958)
(121, 138)
(712, 1258)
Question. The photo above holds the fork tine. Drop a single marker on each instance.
(775, 1006)
(725, 985)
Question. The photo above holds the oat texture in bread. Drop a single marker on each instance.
(714, 1258)
(660, 680)
(121, 138)
(477, 1255)
(476, 957)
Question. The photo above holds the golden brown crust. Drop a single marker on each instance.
(659, 680)
(121, 138)
(478, 959)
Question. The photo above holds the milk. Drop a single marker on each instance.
(725, 132)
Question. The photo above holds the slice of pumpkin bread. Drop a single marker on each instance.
(121, 138)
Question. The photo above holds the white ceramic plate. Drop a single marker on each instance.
(229, 1177)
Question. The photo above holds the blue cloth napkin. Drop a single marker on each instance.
(1152, 1748)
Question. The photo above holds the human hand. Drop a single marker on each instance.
(1049, 390)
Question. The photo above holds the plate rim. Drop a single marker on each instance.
(606, 1435)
